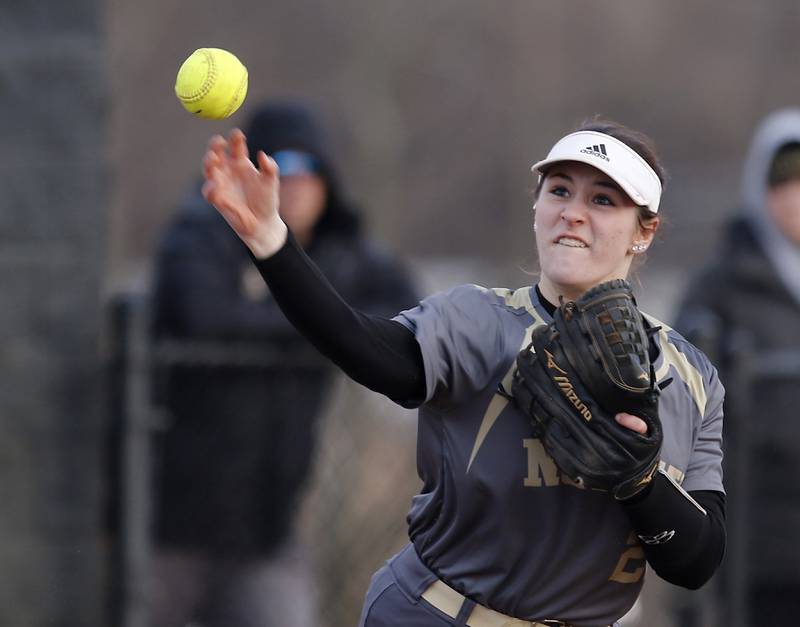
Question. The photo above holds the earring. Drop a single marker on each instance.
(534, 227)
(639, 248)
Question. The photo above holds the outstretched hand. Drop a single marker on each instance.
(246, 196)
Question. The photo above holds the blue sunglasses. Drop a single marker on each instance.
(296, 163)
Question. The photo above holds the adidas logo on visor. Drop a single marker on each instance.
(628, 169)
(597, 151)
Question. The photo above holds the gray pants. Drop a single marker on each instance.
(394, 597)
(192, 589)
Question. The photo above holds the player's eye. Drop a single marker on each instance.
(603, 199)
(560, 191)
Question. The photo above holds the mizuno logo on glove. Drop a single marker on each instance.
(566, 387)
(569, 392)
(551, 362)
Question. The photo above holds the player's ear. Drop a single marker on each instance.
(647, 230)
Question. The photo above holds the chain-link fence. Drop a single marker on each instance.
(756, 381)
(352, 516)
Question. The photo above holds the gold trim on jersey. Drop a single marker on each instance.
(516, 299)
(672, 472)
(686, 371)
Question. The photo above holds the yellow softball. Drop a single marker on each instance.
(211, 83)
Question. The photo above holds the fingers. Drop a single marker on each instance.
(209, 191)
(215, 195)
(224, 153)
(217, 144)
(267, 164)
(214, 156)
(632, 422)
(210, 163)
(237, 144)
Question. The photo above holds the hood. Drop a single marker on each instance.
(776, 130)
(285, 125)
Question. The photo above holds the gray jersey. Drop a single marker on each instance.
(495, 518)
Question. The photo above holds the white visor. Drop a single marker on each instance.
(612, 157)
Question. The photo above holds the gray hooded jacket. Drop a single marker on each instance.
(744, 312)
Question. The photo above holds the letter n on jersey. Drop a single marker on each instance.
(542, 470)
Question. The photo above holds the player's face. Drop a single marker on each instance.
(784, 207)
(585, 229)
(302, 202)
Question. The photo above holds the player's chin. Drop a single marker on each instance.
(570, 273)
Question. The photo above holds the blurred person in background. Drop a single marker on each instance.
(742, 309)
(499, 535)
(239, 442)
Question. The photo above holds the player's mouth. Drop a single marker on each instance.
(571, 242)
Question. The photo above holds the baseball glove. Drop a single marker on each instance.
(578, 372)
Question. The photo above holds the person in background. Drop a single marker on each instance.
(243, 390)
(744, 310)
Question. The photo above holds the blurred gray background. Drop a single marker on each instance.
(437, 109)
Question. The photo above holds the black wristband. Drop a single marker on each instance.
(683, 536)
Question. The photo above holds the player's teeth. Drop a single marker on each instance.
(568, 241)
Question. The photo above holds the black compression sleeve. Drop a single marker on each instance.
(683, 544)
(377, 352)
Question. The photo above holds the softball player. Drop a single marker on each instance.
(498, 535)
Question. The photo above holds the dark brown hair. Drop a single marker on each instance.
(785, 165)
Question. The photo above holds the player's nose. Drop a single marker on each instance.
(574, 212)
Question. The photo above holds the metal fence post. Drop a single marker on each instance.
(135, 470)
(740, 391)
